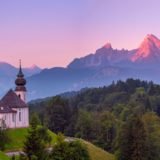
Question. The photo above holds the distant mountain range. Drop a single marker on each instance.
(101, 68)
(8, 74)
(146, 56)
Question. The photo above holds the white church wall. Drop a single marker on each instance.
(22, 119)
(7, 117)
(1, 115)
(16, 120)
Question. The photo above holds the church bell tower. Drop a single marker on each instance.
(20, 84)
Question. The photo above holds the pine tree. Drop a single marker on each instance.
(34, 146)
(4, 138)
(139, 140)
(58, 114)
(132, 141)
(73, 150)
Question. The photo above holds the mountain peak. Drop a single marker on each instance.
(34, 66)
(149, 47)
(107, 46)
(151, 37)
(151, 40)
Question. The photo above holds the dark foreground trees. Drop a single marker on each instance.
(62, 150)
(34, 146)
(152, 125)
(37, 140)
(4, 139)
(73, 150)
(132, 141)
(139, 138)
(58, 114)
(99, 115)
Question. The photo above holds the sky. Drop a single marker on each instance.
(52, 33)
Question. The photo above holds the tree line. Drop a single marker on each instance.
(122, 118)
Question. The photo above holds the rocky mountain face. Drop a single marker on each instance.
(97, 69)
(101, 68)
(105, 56)
(148, 53)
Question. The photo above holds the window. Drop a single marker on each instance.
(13, 117)
(5, 117)
(20, 116)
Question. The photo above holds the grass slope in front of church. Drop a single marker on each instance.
(17, 137)
(3, 156)
(97, 153)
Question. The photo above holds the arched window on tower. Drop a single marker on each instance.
(19, 96)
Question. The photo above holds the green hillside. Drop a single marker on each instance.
(17, 137)
(3, 156)
(98, 153)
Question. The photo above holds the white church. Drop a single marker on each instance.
(14, 112)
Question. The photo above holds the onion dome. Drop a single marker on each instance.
(20, 81)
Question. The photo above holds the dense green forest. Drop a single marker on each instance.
(122, 118)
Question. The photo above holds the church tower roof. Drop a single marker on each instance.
(20, 73)
(20, 80)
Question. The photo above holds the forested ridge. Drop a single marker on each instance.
(122, 118)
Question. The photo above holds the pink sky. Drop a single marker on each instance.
(52, 33)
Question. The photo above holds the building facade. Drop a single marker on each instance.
(14, 112)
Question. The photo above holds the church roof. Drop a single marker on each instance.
(11, 100)
(7, 110)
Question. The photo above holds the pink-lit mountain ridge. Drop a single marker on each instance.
(148, 53)
(101, 68)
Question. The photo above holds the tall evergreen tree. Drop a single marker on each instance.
(4, 138)
(34, 146)
(132, 141)
(58, 114)
(152, 125)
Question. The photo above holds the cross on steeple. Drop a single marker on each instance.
(20, 83)
(20, 73)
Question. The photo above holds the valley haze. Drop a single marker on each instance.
(101, 68)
